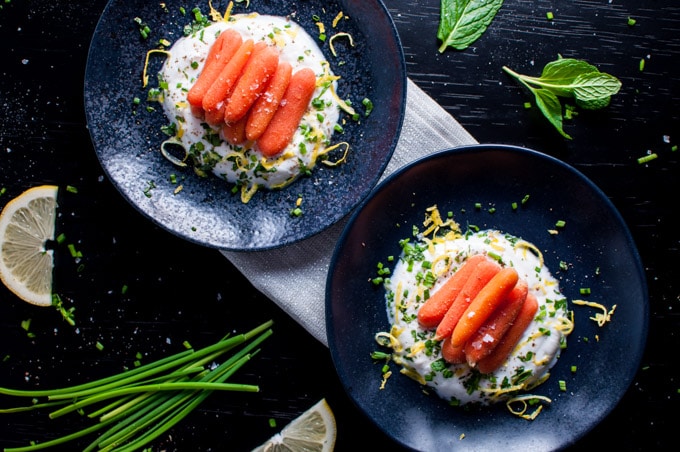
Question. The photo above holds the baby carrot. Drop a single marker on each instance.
(452, 355)
(286, 120)
(214, 98)
(265, 106)
(511, 337)
(481, 275)
(433, 310)
(235, 132)
(482, 343)
(481, 307)
(222, 50)
(253, 81)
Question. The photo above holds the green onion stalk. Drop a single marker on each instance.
(137, 406)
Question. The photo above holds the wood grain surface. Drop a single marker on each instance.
(177, 291)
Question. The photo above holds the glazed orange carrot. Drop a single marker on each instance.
(433, 310)
(482, 343)
(222, 50)
(253, 81)
(214, 98)
(265, 106)
(235, 132)
(481, 307)
(452, 355)
(508, 342)
(286, 120)
(481, 275)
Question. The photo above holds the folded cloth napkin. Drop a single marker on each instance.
(298, 287)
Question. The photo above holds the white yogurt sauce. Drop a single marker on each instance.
(420, 354)
(245, 165)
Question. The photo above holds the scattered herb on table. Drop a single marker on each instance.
(462, 22)
(568, 78)
(136, 406)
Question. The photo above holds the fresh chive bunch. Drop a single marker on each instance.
(137, 406)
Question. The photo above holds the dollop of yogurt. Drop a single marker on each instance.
(420, 354)
(245, 165)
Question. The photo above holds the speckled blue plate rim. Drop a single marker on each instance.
(127, 139)
(594, 393)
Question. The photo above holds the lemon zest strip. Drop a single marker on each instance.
(601, 317)
(338, 35)
(145, 77)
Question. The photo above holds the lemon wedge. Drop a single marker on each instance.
(313, 430)
(27, 222)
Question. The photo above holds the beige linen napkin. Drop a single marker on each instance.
(298, 287)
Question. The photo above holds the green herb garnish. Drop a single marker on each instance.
(462, 22)
(137, 406)
(568, 78)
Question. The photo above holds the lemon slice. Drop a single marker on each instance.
(313, 430)
(27, 222)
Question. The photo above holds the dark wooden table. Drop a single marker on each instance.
(178, 291)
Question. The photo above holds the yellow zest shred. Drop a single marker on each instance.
(337, 19)
(523, 401)
(247, 192)
(565, 325)
(385, 376)
(413, 375)
(332, 148)
(322, 28)
(388, 340)
(338, 35)
(601, 317)
(341, 103)
(145, 77)
(531, 247)
(398, 296)
(178, 189)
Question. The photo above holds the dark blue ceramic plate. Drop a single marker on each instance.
(127, 138)
(594, 236)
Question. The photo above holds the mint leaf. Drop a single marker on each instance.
(595, 85)
(551, 108)
(568, 78)
(462, 22)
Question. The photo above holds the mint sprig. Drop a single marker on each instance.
(568, 78)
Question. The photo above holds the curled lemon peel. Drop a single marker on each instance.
(523, 401)
(601, 317)
(388, 340)
(531, 247)
(171, 158)
(339, 35)
(332, 148)
(145, 76)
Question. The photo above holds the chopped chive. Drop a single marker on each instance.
(584, 291)
(549, 15)
(99, 346)
(631, 21)
(647, 158)
(642, 64)
(560, 223)
(563, 385)
(71, 189)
